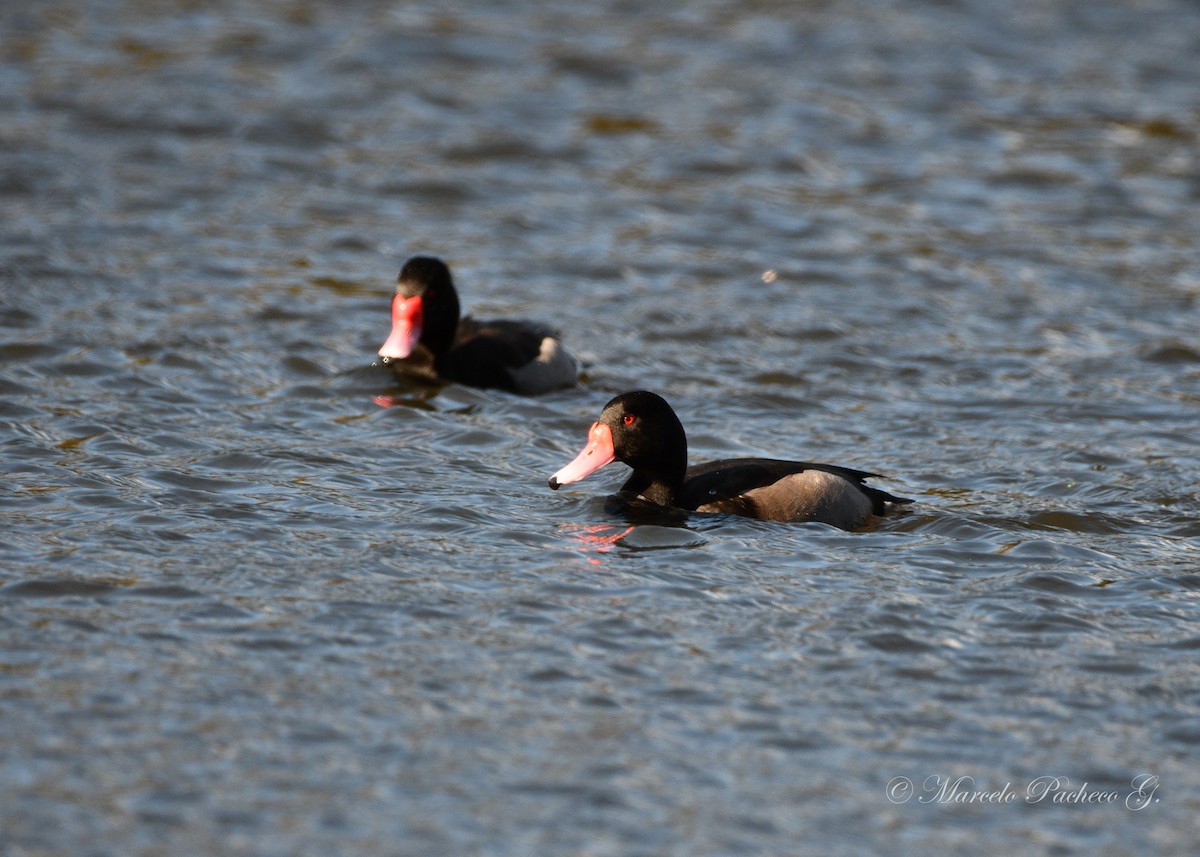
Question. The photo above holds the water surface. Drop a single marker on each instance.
(246, 610)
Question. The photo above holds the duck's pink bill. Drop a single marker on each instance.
(598, 452)
(408, 317)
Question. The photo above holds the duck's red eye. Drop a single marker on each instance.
(629, 419)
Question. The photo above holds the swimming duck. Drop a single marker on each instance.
(641, 430)
(429, 338)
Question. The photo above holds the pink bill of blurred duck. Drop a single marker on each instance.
(408, 319)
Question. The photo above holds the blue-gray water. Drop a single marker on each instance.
(244, 610)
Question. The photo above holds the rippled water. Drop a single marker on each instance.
(245, 610)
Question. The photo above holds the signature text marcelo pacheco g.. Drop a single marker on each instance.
(949, 791)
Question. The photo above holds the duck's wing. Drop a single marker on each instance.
(742, 485)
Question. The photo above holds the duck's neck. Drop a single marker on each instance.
(661, 482)
(656, 489)
(441, 324)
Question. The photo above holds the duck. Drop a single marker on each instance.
(429, 338)
(641, 429)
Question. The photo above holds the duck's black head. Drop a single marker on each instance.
(425, 309)
(646, 433)
(640, 429)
